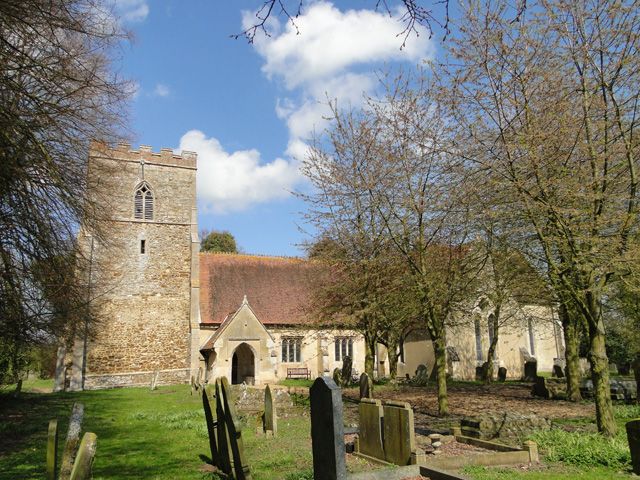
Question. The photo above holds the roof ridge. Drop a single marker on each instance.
(254, 255)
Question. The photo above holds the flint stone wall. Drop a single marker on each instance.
(136, 379)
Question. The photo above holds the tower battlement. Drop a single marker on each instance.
(124, 152)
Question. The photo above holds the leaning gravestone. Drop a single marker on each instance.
(222, 435)
(530, 370)
(240, 466)
(73, 439)
(399, 436)
(347, 366)
(366, 386)
(370, 428)
(327, 431)
(270, 414)
(210, 415)
(633, 435)
(52, 450)
(502, 374)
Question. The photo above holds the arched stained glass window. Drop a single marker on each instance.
(143, 202)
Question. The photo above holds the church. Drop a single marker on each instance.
(162, 309)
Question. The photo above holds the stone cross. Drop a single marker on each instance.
(366, 386)
(270, 414)
(327, 431)
(399, 435)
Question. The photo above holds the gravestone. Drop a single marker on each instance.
(270, 414)
(557, 371)
(366, 386)
(502, 374)
(210, 415)
(370, 428)
(613, 368)
(73, 438)
(84, 458)
(327, 431)
(222, 435)
(240, 466)
(347, 366)
(337, 376)
(633, 436)
(52, 450)
(398, 433)
(530, 370)
(421, 377)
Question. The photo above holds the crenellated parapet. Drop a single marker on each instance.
(124, 152)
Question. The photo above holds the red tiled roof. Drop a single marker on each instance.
(276, 288)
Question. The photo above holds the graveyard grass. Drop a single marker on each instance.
(157, 434)
(162, 434)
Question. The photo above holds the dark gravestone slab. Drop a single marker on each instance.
(222, 436)
(636, 372)
(327, 431)
(270, 414)
(633, 435)
(530, 370)
(399, 435)
(370, 428)
(479, 373)
(241, 468)
(209, 405)
(366, 386)
(421, 377)
(557, 371)
(502, 374)
(347, 367)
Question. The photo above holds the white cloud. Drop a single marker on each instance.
(161, 90)
(331, 41)
(232, 181)
(132, 10)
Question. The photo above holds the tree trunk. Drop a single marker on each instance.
(369, 356)
(571, 333)
(440, 351)
(600, 375)
(488, 371)
(393, 361)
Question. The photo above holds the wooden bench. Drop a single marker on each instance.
(298, 372)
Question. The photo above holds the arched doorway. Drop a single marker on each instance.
(243, 365)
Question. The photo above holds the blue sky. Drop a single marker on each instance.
(249, 109)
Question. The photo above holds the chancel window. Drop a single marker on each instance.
(292, 349)
(143, 202)
(343, 347)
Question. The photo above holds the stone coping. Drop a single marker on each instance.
(399, 473)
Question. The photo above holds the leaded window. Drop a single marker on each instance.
(143, 202)
(291, 349)
(343, 347)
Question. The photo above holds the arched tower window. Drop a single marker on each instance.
(143, 202)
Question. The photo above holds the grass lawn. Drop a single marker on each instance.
(144, 434)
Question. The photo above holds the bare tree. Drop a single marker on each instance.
(58, 91)
(549, 106)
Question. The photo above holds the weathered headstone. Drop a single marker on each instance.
(399, 436)
(222, 436)
(52, 450)
(370, 428)
(84, 459)
(71, 443)
(633, 436)
(502, 374)
(154, 380)
(530, 370)
(557, 371)
(209, 405)
(366, 386)
(347, 366)
(241, 468)
(421, 377)
(270, 414)
(337, 376)
(550, 388)
(327, 431)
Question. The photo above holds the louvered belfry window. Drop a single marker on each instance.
(143, 202)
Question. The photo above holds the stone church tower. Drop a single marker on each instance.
(144, 268)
